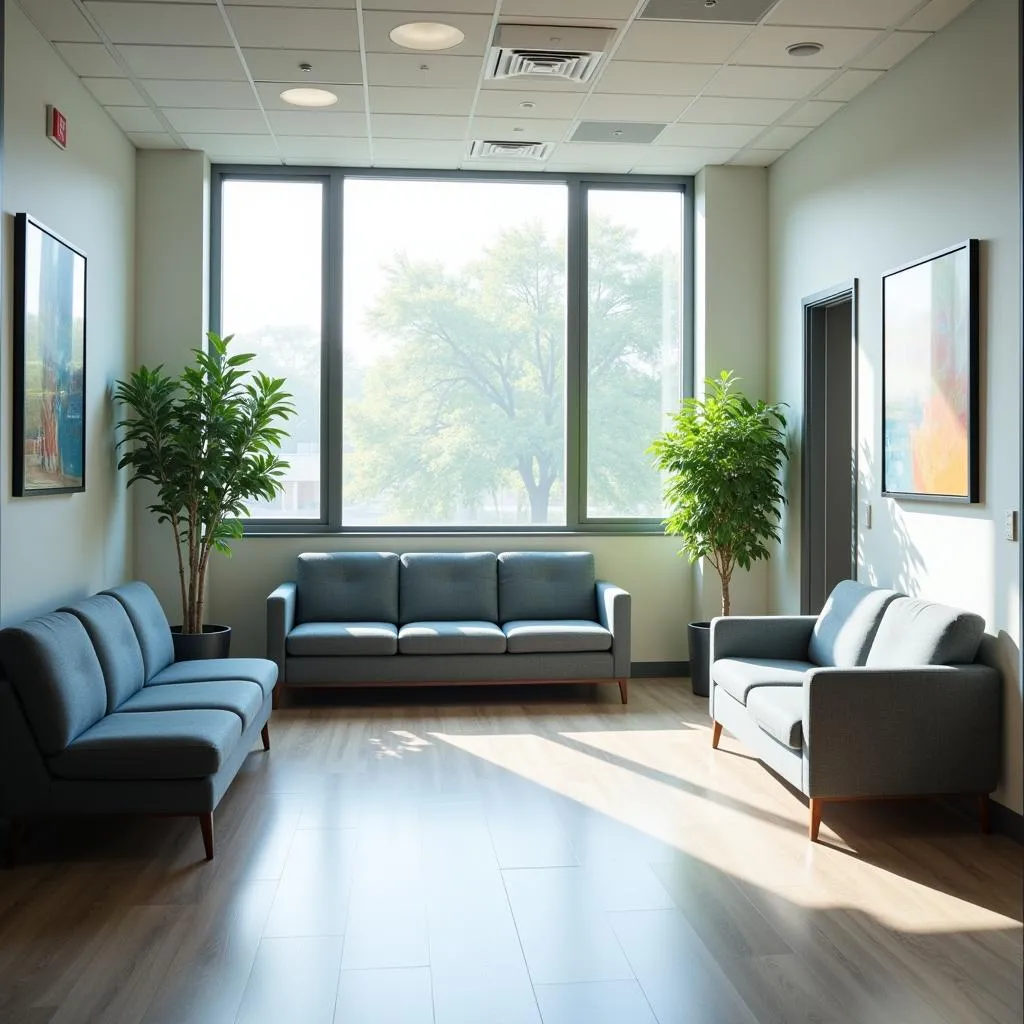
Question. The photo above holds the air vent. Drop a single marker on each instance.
(745, 12)
(487, 149)
(555, 52)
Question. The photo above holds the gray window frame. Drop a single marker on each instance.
(576, 363)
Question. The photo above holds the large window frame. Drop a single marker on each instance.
(576, 355)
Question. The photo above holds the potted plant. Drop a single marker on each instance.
(724, 457)
(207, 440)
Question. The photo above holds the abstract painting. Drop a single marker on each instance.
(49, 362)
(930, 377)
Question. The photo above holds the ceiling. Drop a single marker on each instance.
(208, 74)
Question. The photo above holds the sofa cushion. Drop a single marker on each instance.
(240, 696)
(779, 711)
(546, 585)
(56, 672)
(528, 636)
(329, 639)
(256, 670)
(151, 745)
(451, 638)
(738, 676)
(347, 586)
(150, 624)
(441, 587)
(113, 636)
(918, 632)
(846, 626)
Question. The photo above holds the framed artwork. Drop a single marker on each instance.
(49, 362)
(930, 377)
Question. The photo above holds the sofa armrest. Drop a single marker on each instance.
(902, 731)
(280, 620)
(613, 612)
(785, 637)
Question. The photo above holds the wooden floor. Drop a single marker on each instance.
(511, 857)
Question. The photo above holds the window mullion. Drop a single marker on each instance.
(576, 358)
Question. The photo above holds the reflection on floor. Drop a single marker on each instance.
(513, 855)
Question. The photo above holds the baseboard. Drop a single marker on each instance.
(654, 669)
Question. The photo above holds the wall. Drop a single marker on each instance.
(925, 158)
(60, 547)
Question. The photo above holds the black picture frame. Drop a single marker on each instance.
(49, 378)
(930, 371)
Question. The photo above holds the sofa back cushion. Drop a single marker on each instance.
(546, 585)
(443, 587)
(847, 624)
(113, 636)
(347, 586)
(56, 673)
(149, 622)
(918, 632)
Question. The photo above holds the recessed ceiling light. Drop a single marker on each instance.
(804, 49)
(309, 97)
(426, 35)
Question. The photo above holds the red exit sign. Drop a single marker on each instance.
(56, 127)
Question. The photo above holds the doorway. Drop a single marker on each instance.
(829, 474)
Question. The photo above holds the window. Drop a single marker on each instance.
(492, 354)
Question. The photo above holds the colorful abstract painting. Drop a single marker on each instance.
(930, 356)
(49, 362)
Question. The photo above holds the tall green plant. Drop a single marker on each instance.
(724, 458)
(207, 440)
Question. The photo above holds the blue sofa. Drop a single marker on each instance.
(379, 618)
(96, 717)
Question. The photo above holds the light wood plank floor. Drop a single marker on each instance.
(513, 856)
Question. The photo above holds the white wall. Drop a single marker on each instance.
(64, 546)
(924, 159)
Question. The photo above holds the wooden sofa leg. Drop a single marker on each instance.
(716, 734)
(985, 813)
(816, 804)
(206, 825)
(265, 735)
(624, 690)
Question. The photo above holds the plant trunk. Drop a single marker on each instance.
(181, 574)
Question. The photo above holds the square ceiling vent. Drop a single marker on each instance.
(627, 132)
(746, 12)
(554, 52)
(488, 149)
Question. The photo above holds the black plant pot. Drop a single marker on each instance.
(213, 642)
(699, 634)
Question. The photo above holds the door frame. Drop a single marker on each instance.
(815, 304)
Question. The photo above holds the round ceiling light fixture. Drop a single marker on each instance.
(426, 35)
(804, 49)
(309, 97)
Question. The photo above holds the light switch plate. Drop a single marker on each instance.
(1010, 524)
(867, 515)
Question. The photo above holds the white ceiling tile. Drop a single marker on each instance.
(59, 22)
(595, 156)
(233, 148)
(623, 107)
(136, 119)
(384, 100)
(316, 123)
(684, 41)
(341, 66)
(114, 92)
(418, 126)
(718, 136)
(657, 79)
(214, 95)
(783, 137)
(194, 120)
(892, 50)
(681, 159)
(152, 140)
(719, 110)
(601, 10)
(169, 24)
(507, 103)
(294, 29)
(814, 113)
(767, 45)
(90, 60)
(415, 152)
(423, 71)
(757, 157)
(535, 83)
(378, 24)
(849, 84)
(337, 4)
(842, 13)
(937, 15)
(421, 6)
(207, 63)
(350, 97)
(767, 83)
(523, 166)
(325, 150)
(529, 130)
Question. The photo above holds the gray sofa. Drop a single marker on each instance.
(878, 696)
(377, 618)
(96, 717)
